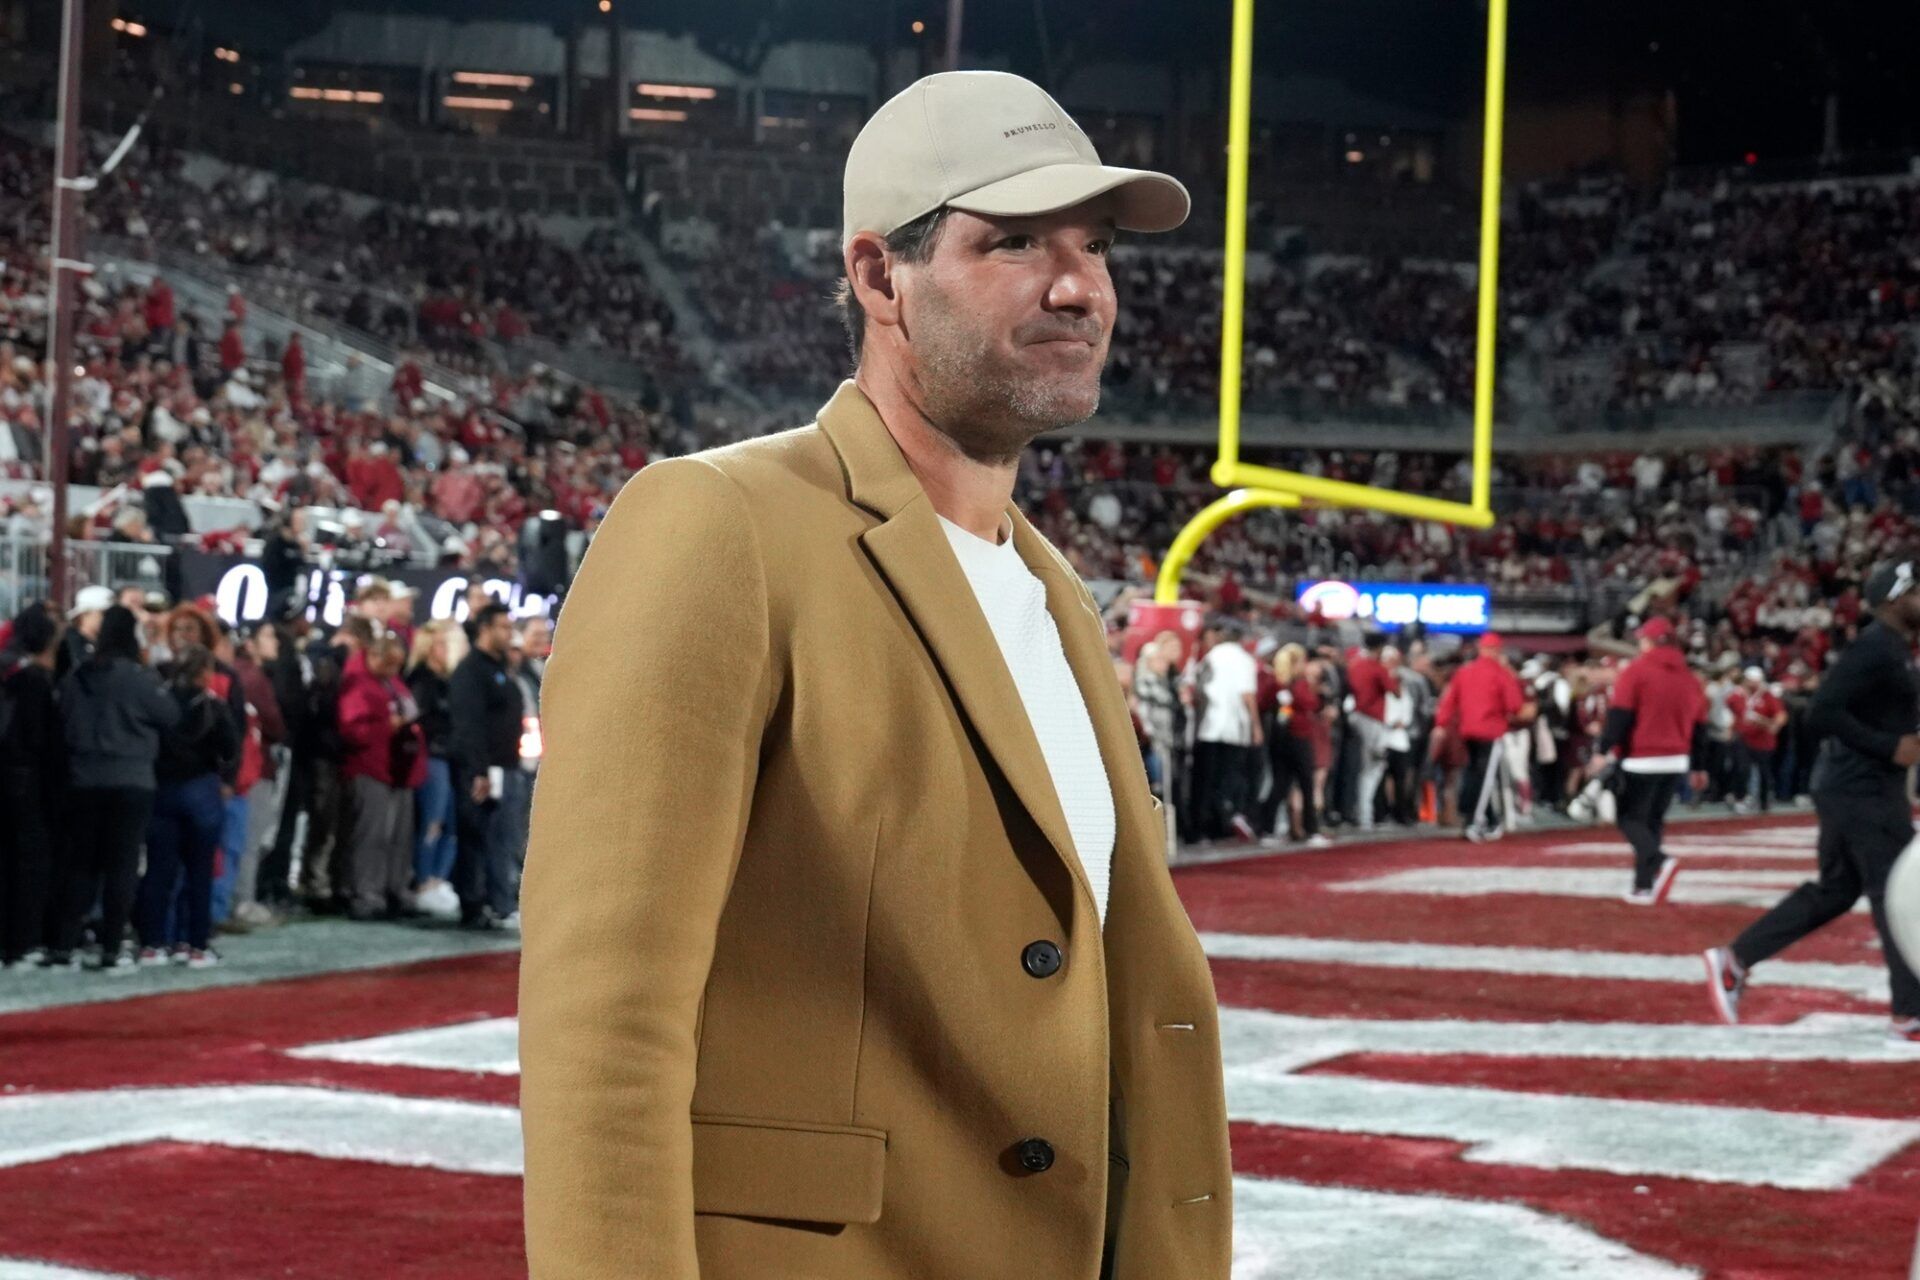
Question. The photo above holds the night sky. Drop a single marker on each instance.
(1748, 76)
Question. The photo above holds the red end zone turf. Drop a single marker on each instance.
(214, 1210)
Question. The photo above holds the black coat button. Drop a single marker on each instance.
(1036, 1155)
(1040, 959)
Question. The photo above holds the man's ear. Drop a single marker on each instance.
(870, 275)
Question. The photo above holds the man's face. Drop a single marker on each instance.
(498, 634)
(88, 624)
(1007, 325)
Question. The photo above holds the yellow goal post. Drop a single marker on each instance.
(1256, 487)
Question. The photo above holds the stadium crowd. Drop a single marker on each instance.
(379, 770)
(1760, 551)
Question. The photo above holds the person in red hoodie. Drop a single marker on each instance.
(1482, 701)
(293, 369)
(1758, 717)
(385, 760)
(1656, 731)
(1370, 682)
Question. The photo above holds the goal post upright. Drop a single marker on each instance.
(1260, 487)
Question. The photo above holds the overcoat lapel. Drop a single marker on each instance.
(911, 551)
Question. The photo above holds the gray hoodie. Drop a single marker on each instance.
(114, 714)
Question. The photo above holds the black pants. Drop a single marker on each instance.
(105, 826)
(483, 873)
(1222, 781)
(1642, 818)
(1860, 837)
(1481, 783)
(1403, 776)
(1752, 762)
(275, 887)
(1291, 759)
(26, 861)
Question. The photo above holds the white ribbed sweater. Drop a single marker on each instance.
(1015, 604)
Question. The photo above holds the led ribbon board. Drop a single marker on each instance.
(1454, 607)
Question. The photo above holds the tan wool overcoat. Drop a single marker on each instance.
(813, 985)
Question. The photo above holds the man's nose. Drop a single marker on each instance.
(1080, 283)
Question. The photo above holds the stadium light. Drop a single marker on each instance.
(134, 29)
(493, 79)
(696, 92)
(606, 6)
(463, 103)
(919, 27)
(663, 115)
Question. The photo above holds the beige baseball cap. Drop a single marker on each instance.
(989, 143)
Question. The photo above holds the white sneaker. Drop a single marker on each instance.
(440, 901)
(1725, 983)
(512, 923)
(255, 913)
(1906, 1034)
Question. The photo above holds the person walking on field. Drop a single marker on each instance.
(1758, 716)
(1481, 702)
(1656, 730)
(1867, 714)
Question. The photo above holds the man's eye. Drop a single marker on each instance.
(1101, 247)
(1017, 242)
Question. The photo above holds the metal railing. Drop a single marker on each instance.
(23, 568)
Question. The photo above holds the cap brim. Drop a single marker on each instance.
(1147, 201)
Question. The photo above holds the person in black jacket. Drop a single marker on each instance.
(487, 718)
(112, 711)
(326, 877)
(33, 774)
(1868, 713)
(292, 676)
(199, 750)
(438, 648)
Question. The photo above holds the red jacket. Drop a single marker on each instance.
(1371, 683)
(1753, 717)
(374, 749)
(1481, 700)
(1666, 701)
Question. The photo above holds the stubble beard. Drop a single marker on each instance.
(989, 411)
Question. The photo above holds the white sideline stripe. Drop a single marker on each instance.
(1279, 1039)
(1695, 849)
(487, 1047)
(21, 1269)
(1755, 887)
(336, 1124)
(1868, 982)
(1737, 1145)
(1284, 1230)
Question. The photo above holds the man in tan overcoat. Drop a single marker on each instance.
(850, 951)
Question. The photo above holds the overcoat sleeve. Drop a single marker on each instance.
(657, 698)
